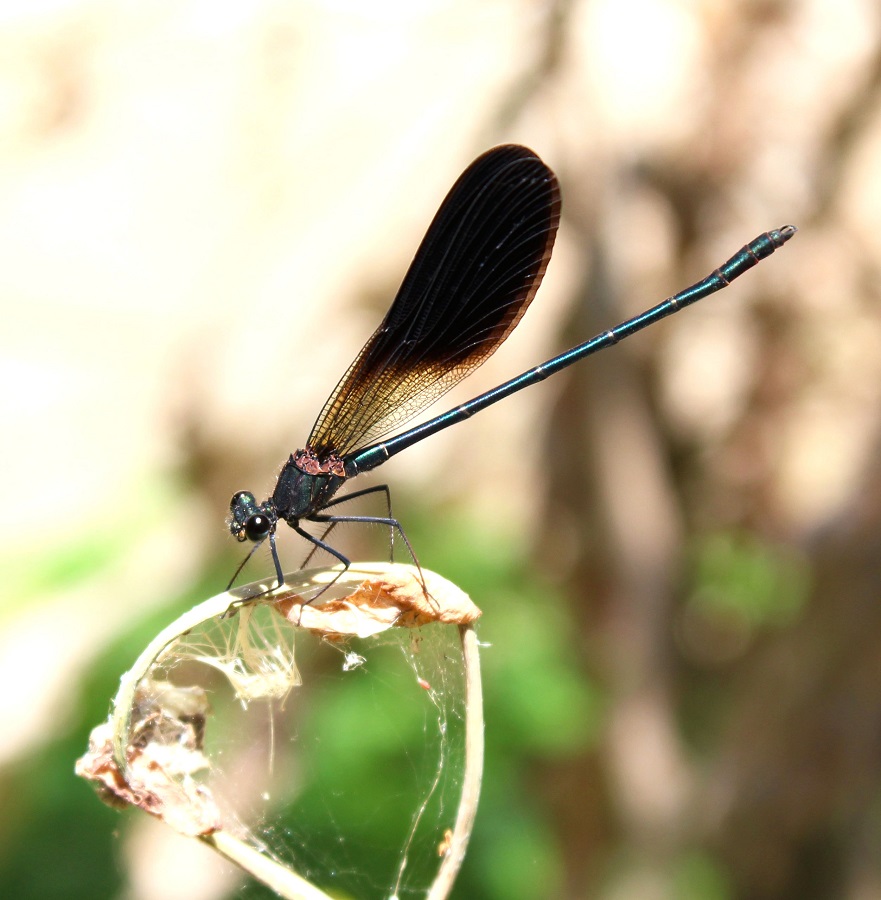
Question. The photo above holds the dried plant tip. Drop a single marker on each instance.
(380, 597)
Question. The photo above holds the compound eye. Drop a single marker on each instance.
(257, 527)
(241, 498)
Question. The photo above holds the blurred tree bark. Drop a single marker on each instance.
(783, 789)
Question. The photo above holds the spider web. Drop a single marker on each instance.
(341, 760)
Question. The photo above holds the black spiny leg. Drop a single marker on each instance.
(392, 523)
(333, 520)
(273, 550)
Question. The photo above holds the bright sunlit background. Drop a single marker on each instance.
(205, 209)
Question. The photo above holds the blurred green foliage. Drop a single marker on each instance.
(738, 575)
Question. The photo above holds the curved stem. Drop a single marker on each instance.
(285, 882)
(452, 862)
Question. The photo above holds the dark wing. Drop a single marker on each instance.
(473, 276)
